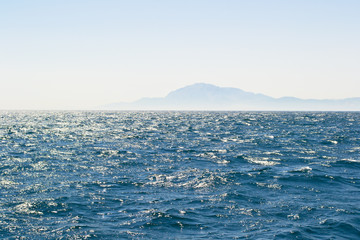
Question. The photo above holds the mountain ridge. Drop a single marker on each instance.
(204, 96)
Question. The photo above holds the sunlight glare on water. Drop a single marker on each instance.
(140, 175)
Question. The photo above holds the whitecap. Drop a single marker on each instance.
(263, 161)
(294, 216)
(222, 161)
(304, 169)
(273, 186)
(182, 212)
(222, 151)
(351, 160)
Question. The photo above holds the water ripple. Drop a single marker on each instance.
(179, 175)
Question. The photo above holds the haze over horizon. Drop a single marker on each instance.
(81, 54)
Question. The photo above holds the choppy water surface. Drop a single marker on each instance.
(179, 175)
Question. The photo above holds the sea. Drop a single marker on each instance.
(179, 175)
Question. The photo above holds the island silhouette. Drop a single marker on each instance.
(208, 97)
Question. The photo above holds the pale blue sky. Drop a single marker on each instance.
(77, 54)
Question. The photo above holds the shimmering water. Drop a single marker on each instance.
(179, 175)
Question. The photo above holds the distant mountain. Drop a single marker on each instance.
(202, 96)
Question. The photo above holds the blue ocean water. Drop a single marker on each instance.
(179, 175)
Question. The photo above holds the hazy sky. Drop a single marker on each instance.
(76, 54)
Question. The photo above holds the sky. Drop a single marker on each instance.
(77, 54)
